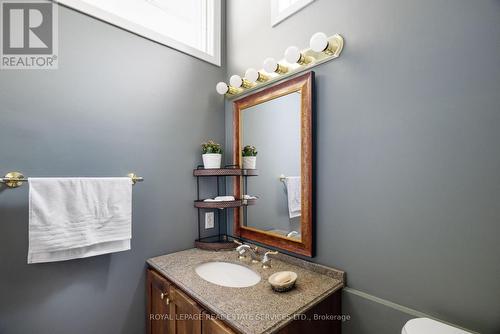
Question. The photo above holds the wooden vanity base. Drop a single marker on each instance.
(171, 310)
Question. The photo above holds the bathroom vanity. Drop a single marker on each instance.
(181, 301)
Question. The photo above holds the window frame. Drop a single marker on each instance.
(277, 17)
(215, 29)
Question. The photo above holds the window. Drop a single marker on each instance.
(190, 26)
(281, 9)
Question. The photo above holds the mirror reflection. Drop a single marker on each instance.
(274, 129)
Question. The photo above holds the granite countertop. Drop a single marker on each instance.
(256, 309)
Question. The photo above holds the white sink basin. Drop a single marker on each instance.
(227, 274)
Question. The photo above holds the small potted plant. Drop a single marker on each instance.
(212, 154)
(249, 154)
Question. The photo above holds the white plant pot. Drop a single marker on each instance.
(211, 160)
(249, 162)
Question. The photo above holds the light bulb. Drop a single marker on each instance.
(223, 88)
(319, 43)
(293, 55)
(237, 81)
(253, 75)
(271, 65)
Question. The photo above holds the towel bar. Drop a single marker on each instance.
(16, 179)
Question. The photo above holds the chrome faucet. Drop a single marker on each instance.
(266, 260)
(243, 249)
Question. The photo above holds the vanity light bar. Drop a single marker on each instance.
(321, 49)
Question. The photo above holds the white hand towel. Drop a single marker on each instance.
(293, 190)
(73, 218)
(249, 197)
(224, 198)
(220, 199)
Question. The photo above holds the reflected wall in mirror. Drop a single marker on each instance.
(273, 127)
(278, 122)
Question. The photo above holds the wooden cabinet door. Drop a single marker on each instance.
(185, 314)
(210, 325)
(158, 291)
(323, 312)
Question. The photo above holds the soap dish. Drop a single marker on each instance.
(283, 281)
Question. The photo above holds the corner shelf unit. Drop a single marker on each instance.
(220, 240)
(228, 171)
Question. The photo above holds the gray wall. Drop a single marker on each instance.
(368, 316)
(274, 128)
(408, 163)
(117, 103)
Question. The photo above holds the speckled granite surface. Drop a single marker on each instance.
(255, 309)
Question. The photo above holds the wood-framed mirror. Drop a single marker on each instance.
(278, 121)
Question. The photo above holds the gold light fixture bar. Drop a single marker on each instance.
(322, 49)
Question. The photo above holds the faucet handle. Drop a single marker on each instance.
(266, 260)
(239, 243)
(241, 250)
(242, 254)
